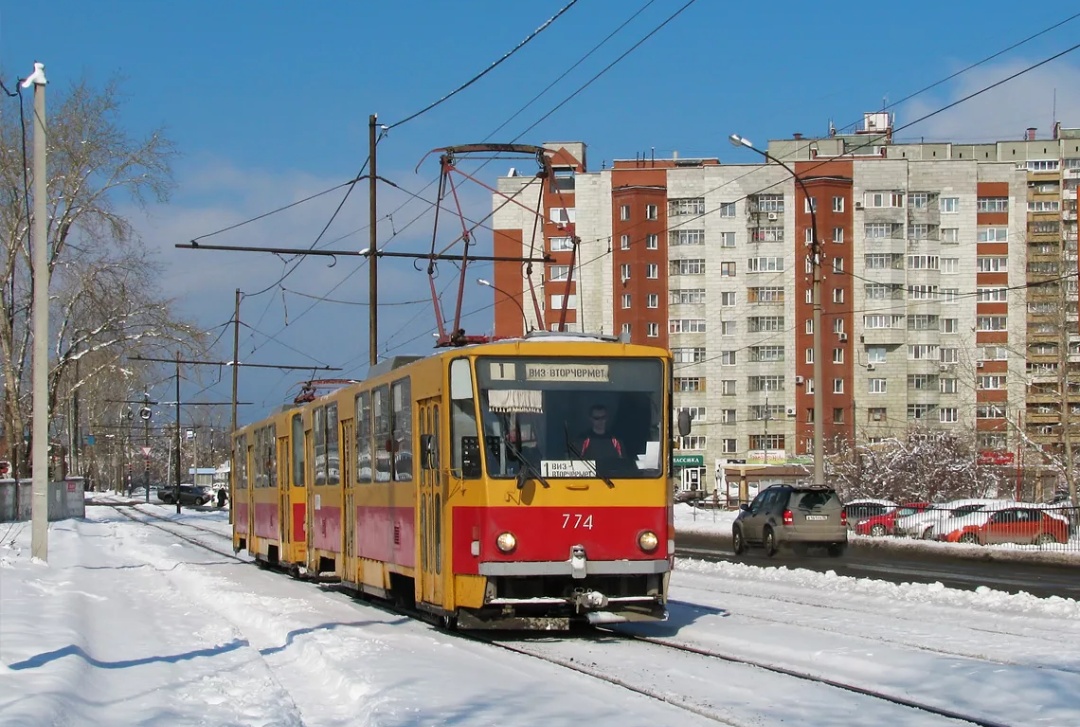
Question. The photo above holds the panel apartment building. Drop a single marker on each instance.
(949, 294)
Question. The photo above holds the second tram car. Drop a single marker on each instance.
(512, 484)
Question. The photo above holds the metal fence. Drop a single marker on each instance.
(1054, 527)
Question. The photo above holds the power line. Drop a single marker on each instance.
(487, 70)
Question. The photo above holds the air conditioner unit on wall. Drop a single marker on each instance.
(869, 367)
(791, 411)
(858, 205)
(772, 217)
(843, 338)
(978, 364)
(799, 379)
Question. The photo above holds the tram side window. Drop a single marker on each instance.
(258, 464)
(240, 459)
(401, 436)
(464, 437)
(380, 405)
(270, 444)
(298, 450)
(363, 437)
(318, 440)
(333, 455)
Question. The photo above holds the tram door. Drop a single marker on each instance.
(430, 504)
(348, 510)
(284, 468)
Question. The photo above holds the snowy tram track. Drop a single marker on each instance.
(804, 676)
(722, 688)
(122, 509)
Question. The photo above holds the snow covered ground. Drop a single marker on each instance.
(131, 624)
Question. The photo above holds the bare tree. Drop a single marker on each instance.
(104, 304)
(921, 465)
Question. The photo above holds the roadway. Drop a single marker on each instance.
(902, 565)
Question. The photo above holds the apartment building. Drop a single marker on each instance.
(948, 284)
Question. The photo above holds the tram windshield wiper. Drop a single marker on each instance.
(581, 458)
(526, 471)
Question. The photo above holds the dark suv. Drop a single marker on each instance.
(797, 516)
(189, 495)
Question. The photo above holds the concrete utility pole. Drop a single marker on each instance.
(815, 262)
(373, 258)
(39, 502)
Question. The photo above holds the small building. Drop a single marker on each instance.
(202, 475)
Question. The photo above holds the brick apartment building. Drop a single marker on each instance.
(949, 292)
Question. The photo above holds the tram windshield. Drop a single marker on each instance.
(580, 417)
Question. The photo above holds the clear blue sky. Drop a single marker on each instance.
(268, 103)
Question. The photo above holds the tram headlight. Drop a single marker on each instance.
(648, 541)
(506, 542)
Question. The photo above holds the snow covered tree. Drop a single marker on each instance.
(104, 302)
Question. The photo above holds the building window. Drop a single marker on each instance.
(837, 204)
(686, 325)
(985, 264)
(838, 295)
(727, 387)
(838, 355)
(810, 204)
(727, 300)
(626, 328)
(765, 324)
(651, 212)
(652, 300)
(992, 295)
(652, 271)
(652, 241)
(918, 412)
(991, 323)
(727, 446)
(680, 237)
(764, 265)
(727, 358)
(728, 416)
(838, 234)
(838, 386)
(950, 234)
(809, 354)
(992, 204)
(875, 354)
(950, 265)
(949, 205)
(877, 386)
(688, 355)
(692, 266)
(624, 212)
(950, 325)
(559, 272)
(624, 271)
(918, 200)
(876, 414)
(992, 234)
(766, 294)
(686, 206)
(624, 242)
(947, 385)
(838, 264)
(562, 244)
(625, 301)
(948, 415)
(727, 270)
(652, 330)
(693, 441)
(727, 239)
(881, 199)
(688, 296)
(727, 328)
(727, 209)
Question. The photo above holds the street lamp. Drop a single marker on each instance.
(815, 261)
(488, 284)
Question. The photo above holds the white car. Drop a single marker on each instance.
(970, 513)
(927, 523)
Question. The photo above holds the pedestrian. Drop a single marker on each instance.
(221, 497)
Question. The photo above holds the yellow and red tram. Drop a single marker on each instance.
(462, 483)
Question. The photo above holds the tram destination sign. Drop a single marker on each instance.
(541, 371)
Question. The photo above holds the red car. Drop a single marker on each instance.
(1023, 525)
(883, 524)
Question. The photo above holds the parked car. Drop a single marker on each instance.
(1027, 525)
(857, 510)
(189, 495)
(793, 516)
(931, 521)
(885, 524)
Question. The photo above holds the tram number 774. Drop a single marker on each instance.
(576, 521)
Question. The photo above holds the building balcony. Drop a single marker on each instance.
(884, 336)
(1035, 418)
(1068, 194)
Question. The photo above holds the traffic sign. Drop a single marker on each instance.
(146, 451)
(689, 460)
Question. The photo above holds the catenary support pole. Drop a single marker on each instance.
(39, 498)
